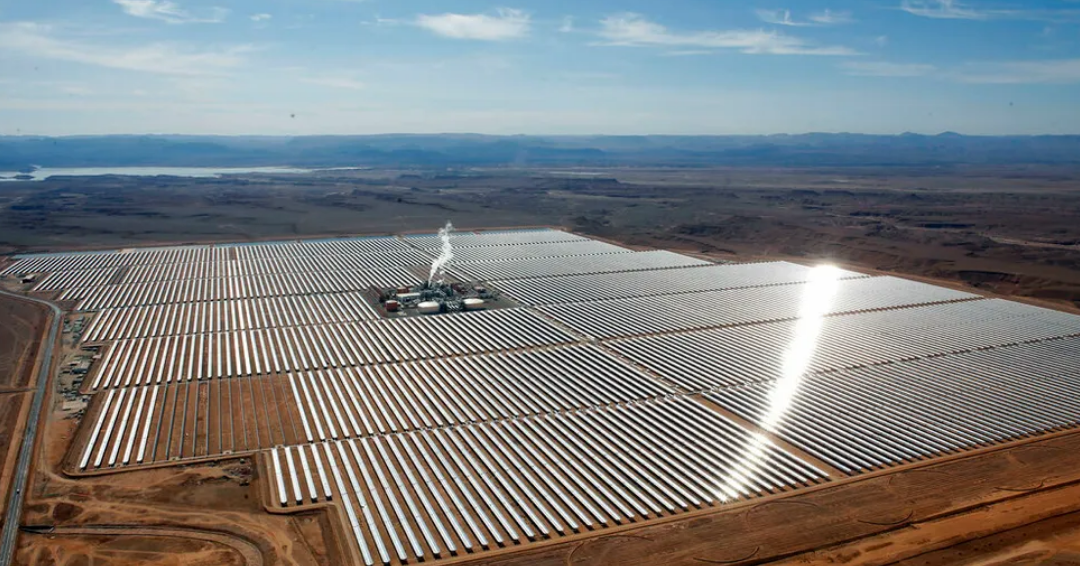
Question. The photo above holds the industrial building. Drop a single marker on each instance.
(609, 387)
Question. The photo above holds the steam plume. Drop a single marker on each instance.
(438, 267)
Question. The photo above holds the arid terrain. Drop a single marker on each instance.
(21, 326)
(1007, 232)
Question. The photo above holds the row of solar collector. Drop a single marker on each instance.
(256, 265)
(366, 400)
(573, 265)
(89, 278)
(108, 419)
(82, 279)
(204, 254)
(703, 359)
(885, 415)
(275, 350)
(193, 419)
(344, 246)
(525, 252)
(48, 263)
(217, 316)
(579, 288)
(671, 313)
(93, 260)
(579, 257)
(354, 402)
(321, 264)
(385, 244)
(604, 319)
(462, 240)
(434, 493)
(192, 290)
(79, 283)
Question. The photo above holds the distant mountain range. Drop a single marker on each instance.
(462, 150)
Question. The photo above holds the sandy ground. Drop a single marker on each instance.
(206, 502)
(21, 325)
(68, 549)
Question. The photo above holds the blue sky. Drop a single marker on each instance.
(296, 67)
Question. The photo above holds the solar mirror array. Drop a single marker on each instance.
(624, 386)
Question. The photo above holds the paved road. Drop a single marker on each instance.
(13, 515)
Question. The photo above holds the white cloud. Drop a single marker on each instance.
(38, 40)
(77, 90)
(505, 24)
(635, 30)
(830, 18)
(567, 25)
(886, 69)
(260, 17)
(1044, 71)
(346, 83)
(688, 52)
(955, 10)
(779, 18)
(941, 9)
(881, 40)
(170, 12)
(824, 18)
(1047, 71)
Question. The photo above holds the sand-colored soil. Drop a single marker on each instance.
(70, 549)
(212, 513)
(21, 326)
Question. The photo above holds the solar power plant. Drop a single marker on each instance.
(609, 387)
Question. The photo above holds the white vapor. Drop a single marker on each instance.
(446, 253)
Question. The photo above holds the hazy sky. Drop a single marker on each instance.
(539, 67)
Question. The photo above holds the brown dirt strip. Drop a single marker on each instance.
(247, 549)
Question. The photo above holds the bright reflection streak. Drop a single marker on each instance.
(817, 300)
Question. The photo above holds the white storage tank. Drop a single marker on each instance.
(474, 304)
(429, 307)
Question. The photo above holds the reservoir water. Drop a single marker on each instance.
(46, 172)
